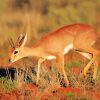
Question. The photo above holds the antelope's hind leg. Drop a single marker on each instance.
(95, 69)
(86, 45)
(93, 60)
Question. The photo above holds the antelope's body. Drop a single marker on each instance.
(56, 44)
(67, 37)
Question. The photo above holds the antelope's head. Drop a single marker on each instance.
(18, 50)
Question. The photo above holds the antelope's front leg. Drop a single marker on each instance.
(38, 70)
(60, 61)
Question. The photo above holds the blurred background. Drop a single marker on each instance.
(38, 17)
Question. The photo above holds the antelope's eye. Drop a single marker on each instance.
(15, 52)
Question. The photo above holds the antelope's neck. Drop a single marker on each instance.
(32, 51)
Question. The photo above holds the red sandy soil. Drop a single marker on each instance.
(30, 92)
(76, 70)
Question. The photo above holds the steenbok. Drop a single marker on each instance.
(58, 43)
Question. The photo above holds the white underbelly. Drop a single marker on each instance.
(66, 50)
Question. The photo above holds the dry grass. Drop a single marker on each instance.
(49, 76)
(12, 23)
(49, 82)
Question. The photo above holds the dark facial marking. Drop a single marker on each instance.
(9, 60)
(15, 52)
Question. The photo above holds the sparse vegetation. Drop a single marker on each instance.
(45, 16)
(73, 63)
(7, 84)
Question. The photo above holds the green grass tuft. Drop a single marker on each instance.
(73, 63)
(6, 84)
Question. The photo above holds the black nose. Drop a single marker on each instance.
(9, 60)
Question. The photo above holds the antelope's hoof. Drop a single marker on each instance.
(66, 84)
(63, 83)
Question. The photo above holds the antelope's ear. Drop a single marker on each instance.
(24, 41)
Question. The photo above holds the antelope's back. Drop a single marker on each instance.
(58, 39)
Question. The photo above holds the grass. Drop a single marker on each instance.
(70, 95)
(12, 24)
(7, 84)
(73, 63)
(49, 81)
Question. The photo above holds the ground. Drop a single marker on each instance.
(23, 86)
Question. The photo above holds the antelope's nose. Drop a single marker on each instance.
(9, 60)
